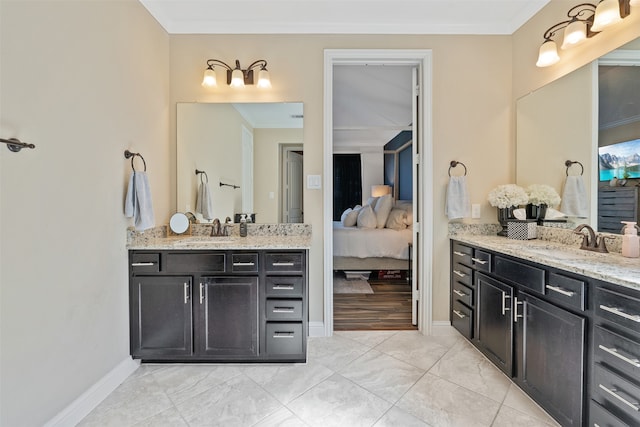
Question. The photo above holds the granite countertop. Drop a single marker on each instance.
(217, 243)
(609, 267)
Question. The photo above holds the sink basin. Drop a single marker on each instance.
(203, 241)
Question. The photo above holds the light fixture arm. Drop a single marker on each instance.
(247, 73)
(575, 13)
(212, 62)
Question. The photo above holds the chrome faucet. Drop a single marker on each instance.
(215, 228)
(591, 242)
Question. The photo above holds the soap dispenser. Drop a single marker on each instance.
(630, 240)
(243, 225)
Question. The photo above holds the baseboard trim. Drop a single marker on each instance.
(87, 401)
(316, 329)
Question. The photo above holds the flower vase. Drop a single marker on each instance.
(505, 214)
(536, 212)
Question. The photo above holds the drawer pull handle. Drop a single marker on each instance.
(516, 316)
(460, 294)
(283, 287)
(283, 309)
(459, 314)
(561, 291)
(244, 264)
(614, 392)
(504, 303)
(186, 292)
(618, 312)
(479, 261)
(456, 272)
(283, 264)
(459, 253)
(283, 335)
(201, 293)
(615, 352)
(142, 264)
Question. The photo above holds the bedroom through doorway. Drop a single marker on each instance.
(374, 110)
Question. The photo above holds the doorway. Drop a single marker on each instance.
(422, 183)
(291, 180)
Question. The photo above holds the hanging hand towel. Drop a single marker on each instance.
(457, 204)
(204, 204)
(574, 197)
(138, 202)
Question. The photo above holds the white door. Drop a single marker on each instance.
(417, 193)
(292, 187)
(247, 171)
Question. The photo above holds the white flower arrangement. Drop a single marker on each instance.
(542, 194)
(507, 195)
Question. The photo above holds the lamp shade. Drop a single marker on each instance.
(574, 34)
(209, 79)
(263, 79)
(380, 190)
(548, 54)
(237, 78)
(634, 3)
(607, 13)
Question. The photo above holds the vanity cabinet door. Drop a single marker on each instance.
(551, 353)
(160, 316)
(227, 316)
(494, 330)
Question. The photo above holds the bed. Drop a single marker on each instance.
(377, 238)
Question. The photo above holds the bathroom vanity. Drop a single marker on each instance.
(562, 323)
(196, 299)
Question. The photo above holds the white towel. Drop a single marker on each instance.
(574, 197)
(457, 204)
(204, 205)
(138, 202)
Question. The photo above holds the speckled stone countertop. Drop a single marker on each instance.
(610, 267)
(260, 236)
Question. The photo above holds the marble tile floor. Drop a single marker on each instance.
(368, 378)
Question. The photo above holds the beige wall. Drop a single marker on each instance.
(83, 81)
(472, 110)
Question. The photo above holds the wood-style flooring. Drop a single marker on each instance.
(387, 308)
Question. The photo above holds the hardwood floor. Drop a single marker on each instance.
(387, 308)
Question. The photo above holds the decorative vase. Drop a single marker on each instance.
(505, 214)
(536, 212)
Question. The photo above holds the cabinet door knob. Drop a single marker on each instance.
(201, 293)
(479, 261)
(244, 264)
(516, 316)
(456, 272)
(504, 303)
(186, 292)
(459, 253)
(283, 287)
(619, 312)
(616, 393)
(459, 314)
(615, 352)
(142, 264)
(460, 294)
(560, 290)
(282, 264)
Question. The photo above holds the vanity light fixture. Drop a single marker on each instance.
(586, 20)
(237, 77)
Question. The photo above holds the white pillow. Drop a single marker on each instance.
(409, 219)
(351, 218)
(366, 217)
(372, 202)
(344, 214)
(396, 220)
(382, 210)
(406, 205)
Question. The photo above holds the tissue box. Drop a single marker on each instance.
(522, 229)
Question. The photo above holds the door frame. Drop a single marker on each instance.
(285, 148)
(424, 213)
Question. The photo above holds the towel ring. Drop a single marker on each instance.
(568, 164)
(128, 154)
(202, 173)
(455, 163)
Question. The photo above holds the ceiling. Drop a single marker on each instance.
(342, 16)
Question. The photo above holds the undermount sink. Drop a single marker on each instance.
(204, 241)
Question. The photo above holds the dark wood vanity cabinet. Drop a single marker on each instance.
(196, 305)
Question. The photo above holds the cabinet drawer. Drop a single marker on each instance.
(617, 351)
(284, 262)
(145, 263)
(600, 417)
(285, 286)
(284, 309)
(284, 338)
(522, 274)
(462, 254)
(481, 260)
(189, 262)
(462, 319)
(462, 293)
(565, 290)
(463, 274)
(612, 390)
(244, 263)
(623, 310)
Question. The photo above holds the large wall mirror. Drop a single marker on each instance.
(251, 154)
(564, 120)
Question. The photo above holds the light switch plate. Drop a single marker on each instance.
(475, 210)
(314, 182)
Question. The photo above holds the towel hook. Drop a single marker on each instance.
(455, 163)
(128, 154)
(568, 164)
(202, 173)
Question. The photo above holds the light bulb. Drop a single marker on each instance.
(237, 78)
(574, 34)
(209, 79)
(548, 54)
(263, 79)
(607, 13)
